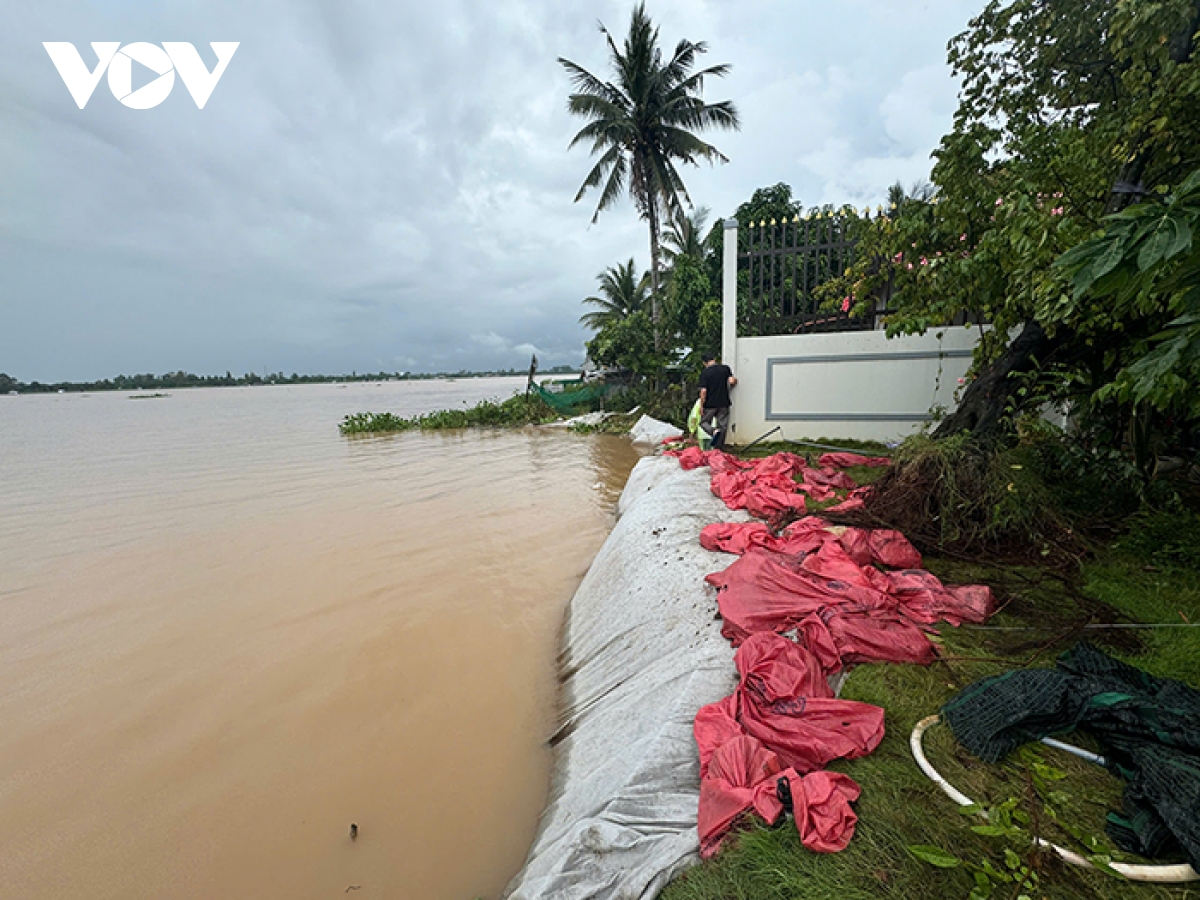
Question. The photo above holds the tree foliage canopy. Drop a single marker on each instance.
(1146, 264)
(1070, 110)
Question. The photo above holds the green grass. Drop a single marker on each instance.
(867, 448)
(900, 807)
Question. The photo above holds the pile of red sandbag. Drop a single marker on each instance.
(766, 590)
(842, 596)
(742, 775)
(783, 714)
(768, 487)
(846, 460)
(865, 546)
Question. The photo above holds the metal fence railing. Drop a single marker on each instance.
(780, 266)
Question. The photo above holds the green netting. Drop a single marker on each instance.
(1149, 729)
(571, 398)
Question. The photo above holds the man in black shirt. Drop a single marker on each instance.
(715, 382)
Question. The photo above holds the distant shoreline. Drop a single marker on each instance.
(178, 380)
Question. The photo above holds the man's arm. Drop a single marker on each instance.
(703, 396)
(732, 379)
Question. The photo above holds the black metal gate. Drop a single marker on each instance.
(780, 266)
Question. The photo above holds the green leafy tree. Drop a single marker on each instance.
(643, 123)
(622, 293)
(692, 305)
(1146, 265)
(769, 203)
(1068, 112)
(693, 311)
(627, 343)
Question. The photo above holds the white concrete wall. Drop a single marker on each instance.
(850, 384)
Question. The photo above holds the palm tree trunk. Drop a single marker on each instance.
(655, 306)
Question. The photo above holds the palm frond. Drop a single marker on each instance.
(686, 147)
(614, 188)
(587, 83)
(599, 171)
(694, 84)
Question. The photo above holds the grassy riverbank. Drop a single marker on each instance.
(1150, 575)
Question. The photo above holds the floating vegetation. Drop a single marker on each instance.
(515, 412)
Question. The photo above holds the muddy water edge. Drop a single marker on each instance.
(227, 632)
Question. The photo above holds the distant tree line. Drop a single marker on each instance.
(172, 380)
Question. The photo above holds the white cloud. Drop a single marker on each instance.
(389, 181)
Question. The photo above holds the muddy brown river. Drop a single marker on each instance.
(227, 632)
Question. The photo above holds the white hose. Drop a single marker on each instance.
(1171, 874)
(1076, 751)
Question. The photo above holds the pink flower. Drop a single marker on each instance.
(999, 202)
(962, 237)
(962, 381)
(910, 267)
(846, 304)
(1057, 211)
(924, 261)
(899, 257)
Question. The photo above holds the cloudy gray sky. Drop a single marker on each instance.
(384, 184)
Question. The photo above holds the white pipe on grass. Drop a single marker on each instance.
(1167, 874)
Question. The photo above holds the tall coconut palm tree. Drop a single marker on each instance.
(622, 293)
(642, 123)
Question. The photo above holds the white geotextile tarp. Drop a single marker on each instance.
(642, 653)
(647, 430)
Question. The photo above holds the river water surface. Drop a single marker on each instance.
(227, 632)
